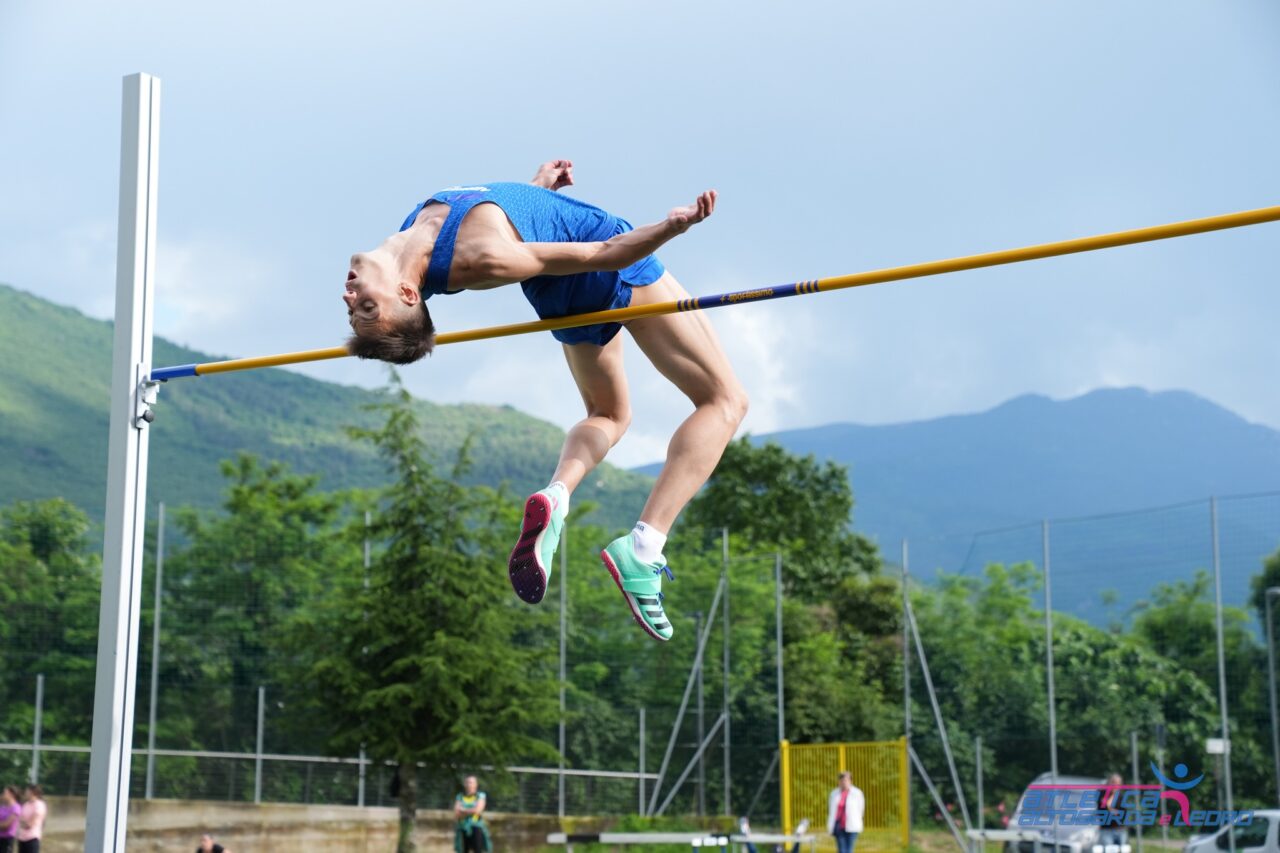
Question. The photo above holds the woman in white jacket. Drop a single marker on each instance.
(844, 813)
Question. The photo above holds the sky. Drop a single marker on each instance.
(841, 136)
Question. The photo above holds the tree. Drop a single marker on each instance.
(49, 589)
(427, 660)
(234, 586)
(779, 501)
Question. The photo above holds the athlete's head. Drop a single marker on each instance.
(470, 784)
(388, 315)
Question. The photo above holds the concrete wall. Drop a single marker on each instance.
(176, 825)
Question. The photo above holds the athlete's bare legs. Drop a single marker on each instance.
(684, 348)
(603, 385)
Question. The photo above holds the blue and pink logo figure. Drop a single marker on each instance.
(1120, 806)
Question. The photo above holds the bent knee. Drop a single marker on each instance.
(618, 419)
(732, 403)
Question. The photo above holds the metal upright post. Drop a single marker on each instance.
(1222, 662)
(641, 762)
(777, 607)
(1160, 744)
(937, 716)
(728, 763)
(978, 843)
(257, 761)
(368, 564)
(1048, 657)
(1271, 592)
(906, 679)
(700, 716)
(1133, 754)
(38, 730)
(564, 609)
(155, 655)
(107, 809)
(360, 789)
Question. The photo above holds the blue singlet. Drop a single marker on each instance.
(542, 216)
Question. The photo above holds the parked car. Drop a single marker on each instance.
(1258, 836)
(1053, 839)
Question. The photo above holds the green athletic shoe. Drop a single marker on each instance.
(530, 565)
(641, 585)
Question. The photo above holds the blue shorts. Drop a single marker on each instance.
(562, 295)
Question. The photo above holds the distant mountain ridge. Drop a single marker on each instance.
(53, 424)
(965, 490)
(1110, 450)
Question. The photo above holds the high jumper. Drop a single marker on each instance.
(569, 258)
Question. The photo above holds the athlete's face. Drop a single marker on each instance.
(470, 785)
(375, 290)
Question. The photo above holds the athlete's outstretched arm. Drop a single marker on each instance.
(512, 262)
(554, 174)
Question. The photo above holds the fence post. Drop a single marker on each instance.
(155, 655)
(1222, 663)
(728, 764)
(564, 603)
(1267, 595)
(641, 777)
(904, 773)
(906, 694)
(702, 725)
(1048, 658)
(36, 733)
(777, 606)
(257, 763)
(979, 843)
(784, 770)
(360, 789)
(1133, 751)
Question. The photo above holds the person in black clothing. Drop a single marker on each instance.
(208, 845)
(1113, 831)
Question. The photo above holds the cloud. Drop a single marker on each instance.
(222, 296)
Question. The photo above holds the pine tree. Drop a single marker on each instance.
(420, 663)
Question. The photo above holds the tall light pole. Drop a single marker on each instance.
(1273, 591)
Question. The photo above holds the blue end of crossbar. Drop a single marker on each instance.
(163, 374)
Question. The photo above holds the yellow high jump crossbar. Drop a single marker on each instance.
(821, 285)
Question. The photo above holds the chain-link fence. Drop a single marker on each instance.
(1131, 643)
(1147, 629)
(643, 729)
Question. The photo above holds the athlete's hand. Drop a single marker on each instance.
(554, 174)
(681, 219)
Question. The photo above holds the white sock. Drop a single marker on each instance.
(559, 495)
(648, 542)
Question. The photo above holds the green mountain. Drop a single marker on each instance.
(53, 424)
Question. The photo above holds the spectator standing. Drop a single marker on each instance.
(10, 812)
(1113, 831)
(845, 806)
(472, 833)
(31, 821)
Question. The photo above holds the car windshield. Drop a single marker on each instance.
(1251, 835)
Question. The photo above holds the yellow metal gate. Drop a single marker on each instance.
(811, 771)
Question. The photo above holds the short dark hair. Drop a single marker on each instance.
(402, 339)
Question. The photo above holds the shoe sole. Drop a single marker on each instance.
(635, 614)
(524, 568)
